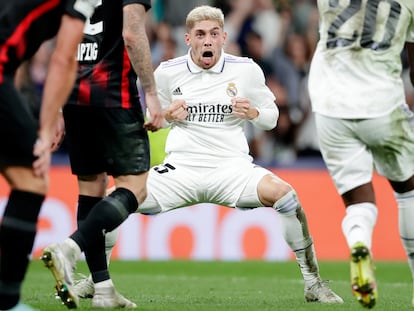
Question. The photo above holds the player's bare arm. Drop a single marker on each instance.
(136, 43)
(177, 111)
(242, 108)
(59, 133)
(156, 120)
(59, 82)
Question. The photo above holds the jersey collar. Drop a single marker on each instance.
(193, 68)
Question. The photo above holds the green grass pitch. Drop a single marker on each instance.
(221, 286)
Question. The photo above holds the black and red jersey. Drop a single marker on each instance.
(106, 77)
(25, 25)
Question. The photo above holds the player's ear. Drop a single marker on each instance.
(224, 37)
(187, 38)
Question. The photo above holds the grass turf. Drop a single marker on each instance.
(221, 286)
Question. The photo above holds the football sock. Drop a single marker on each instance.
(105, 216)
(308, 264)
(358, 223)
(293, 222)
(17, 234)
(95, 255)
(295, 231)
(110, 241)
(85, 205)
(405, 221)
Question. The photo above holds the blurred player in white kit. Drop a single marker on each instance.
(363, 121)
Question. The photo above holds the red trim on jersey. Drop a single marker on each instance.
(84, 94)
(100, 76)
(126, 67)
(16, 39)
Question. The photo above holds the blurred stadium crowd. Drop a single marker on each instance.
(280, 35)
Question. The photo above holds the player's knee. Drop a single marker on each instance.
(287, 203)
(26, 181)
(136, 184)
(271, 189)
(39, 185)
(140, 192)
(125, 198)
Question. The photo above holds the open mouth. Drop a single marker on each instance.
(207, 59)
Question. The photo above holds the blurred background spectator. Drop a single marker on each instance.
(280, 35)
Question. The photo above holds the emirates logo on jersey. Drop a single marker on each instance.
(231, 89)
(208, 112)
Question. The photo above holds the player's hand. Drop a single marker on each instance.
(177, 111)
(156, 119)
(42, 151)
(242, 108)
(59, 135)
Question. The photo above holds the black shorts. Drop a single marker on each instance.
(18, 127)
(111, 140)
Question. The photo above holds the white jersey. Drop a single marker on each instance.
(211, 132)
(356, 68)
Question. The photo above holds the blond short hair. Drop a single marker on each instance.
(203, 13)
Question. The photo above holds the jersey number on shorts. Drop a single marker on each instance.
(164, 168)
(367, 34)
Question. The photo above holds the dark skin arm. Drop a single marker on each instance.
(410, 53)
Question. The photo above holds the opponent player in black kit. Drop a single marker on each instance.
(25, 146)
(107, 136)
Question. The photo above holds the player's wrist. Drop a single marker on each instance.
(168, 117)
(253, 113)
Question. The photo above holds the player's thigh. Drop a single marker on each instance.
(125, 140)
(170, 186)
(346, 156)
(233, 183)
(249, 198)
(18, 128)
(85, 150)
(391, 139)
(106, 140)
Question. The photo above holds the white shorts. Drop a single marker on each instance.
(231, 183)
(353, 148)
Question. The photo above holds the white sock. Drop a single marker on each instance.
(293, 221)
(358, 223)
(308, 265)
(106, 283)
(295, 231)
(406, 224)
(110, 241)
(74, 246)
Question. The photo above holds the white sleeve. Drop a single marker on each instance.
(267, 118)
(263, 99)
(161, 81)
(86, 7)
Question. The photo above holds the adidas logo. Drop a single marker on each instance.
(177, 91)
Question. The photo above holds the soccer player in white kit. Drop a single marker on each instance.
(207, 96)
(363, 121)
